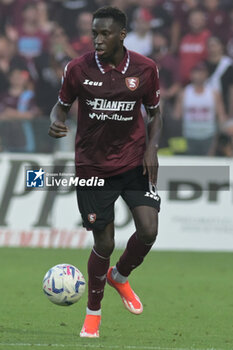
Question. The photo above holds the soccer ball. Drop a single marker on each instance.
(64, 284)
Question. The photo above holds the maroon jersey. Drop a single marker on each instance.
(111, 136)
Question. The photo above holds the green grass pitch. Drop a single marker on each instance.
(187, 297)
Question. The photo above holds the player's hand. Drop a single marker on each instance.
(151, 164)
(58, 129)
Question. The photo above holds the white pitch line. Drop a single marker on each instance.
(99, 346)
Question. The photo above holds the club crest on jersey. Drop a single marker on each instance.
(132, 83)
(91, 218)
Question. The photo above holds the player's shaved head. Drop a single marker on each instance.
(112, 12)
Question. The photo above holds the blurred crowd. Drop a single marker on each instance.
(190, 40)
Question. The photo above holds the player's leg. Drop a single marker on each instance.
(141, 242)
(97, 210)
(138, 246)
(145, 205)
(98, 265)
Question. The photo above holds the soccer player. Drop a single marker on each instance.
(111, 83)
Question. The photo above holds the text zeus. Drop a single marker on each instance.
(94, 83)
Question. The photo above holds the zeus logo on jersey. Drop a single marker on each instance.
(92, 83)
(106, 105)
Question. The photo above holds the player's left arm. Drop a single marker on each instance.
(150, 159)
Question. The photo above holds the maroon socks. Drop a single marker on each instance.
(98, 266)
(97, 271)
(133, 255)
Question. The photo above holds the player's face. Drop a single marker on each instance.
(107, 36)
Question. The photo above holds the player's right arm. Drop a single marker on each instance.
(67, 95)
(58, 117)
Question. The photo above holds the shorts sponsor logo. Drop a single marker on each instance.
(92, 83)
(151, 195)
(91, 217)
(106, 105)
(35, 178)
(114, 116)
(132, 83)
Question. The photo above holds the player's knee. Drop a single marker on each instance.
(105, 247)
(147, 232)
(104, 240)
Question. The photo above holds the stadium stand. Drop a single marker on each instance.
(38, 38)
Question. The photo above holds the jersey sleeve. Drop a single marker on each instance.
(152, 95)
(68, 93)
